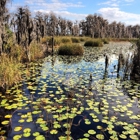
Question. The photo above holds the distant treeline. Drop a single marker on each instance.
(27, 28)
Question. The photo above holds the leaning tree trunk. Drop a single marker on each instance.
(1, 41)
(27, 46)
(136, 62)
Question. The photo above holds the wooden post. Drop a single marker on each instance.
(47, 46)
(52, 43)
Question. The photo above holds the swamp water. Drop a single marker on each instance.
(78, 98)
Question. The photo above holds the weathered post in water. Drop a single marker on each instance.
(106, 61)
(47, 43)
(52, 43)
(119, 63)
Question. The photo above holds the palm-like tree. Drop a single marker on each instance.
(24, 28)
(63, 26)
(69, 27)
(40, 25)
(3, 11)
(53, 23)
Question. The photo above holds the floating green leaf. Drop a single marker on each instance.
(92, 132)
(5, 122)
(18, 128)
(53, 132)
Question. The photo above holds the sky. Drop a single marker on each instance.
(125, 11)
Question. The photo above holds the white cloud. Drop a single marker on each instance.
(129, 0)
(113, 3)
(115, 14)
(57, 6)
(116, 3)
(51, 5)
(34, 1)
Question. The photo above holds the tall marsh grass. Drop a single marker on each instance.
(36, 51)
(75, 40)
(70, 49)
(124, 39)
(10, 72)
(11, 63)
(105, 40)
(59, 40)
(94, 43)
(17, 53)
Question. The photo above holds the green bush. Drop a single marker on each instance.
(94, 43)
(70, 49)
(75, 40)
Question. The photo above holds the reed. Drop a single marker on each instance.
(10, 72)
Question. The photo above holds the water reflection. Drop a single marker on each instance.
(70, 59)
(91, 90)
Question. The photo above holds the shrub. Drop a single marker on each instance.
(75, 40)
(70, 49)
(94, 43)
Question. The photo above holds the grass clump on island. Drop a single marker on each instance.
(70, 49)
(94, 43)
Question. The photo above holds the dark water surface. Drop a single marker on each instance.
(86, 97)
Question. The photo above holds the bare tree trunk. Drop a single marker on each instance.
(28, 53)
(1, 42)
(52, 43)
